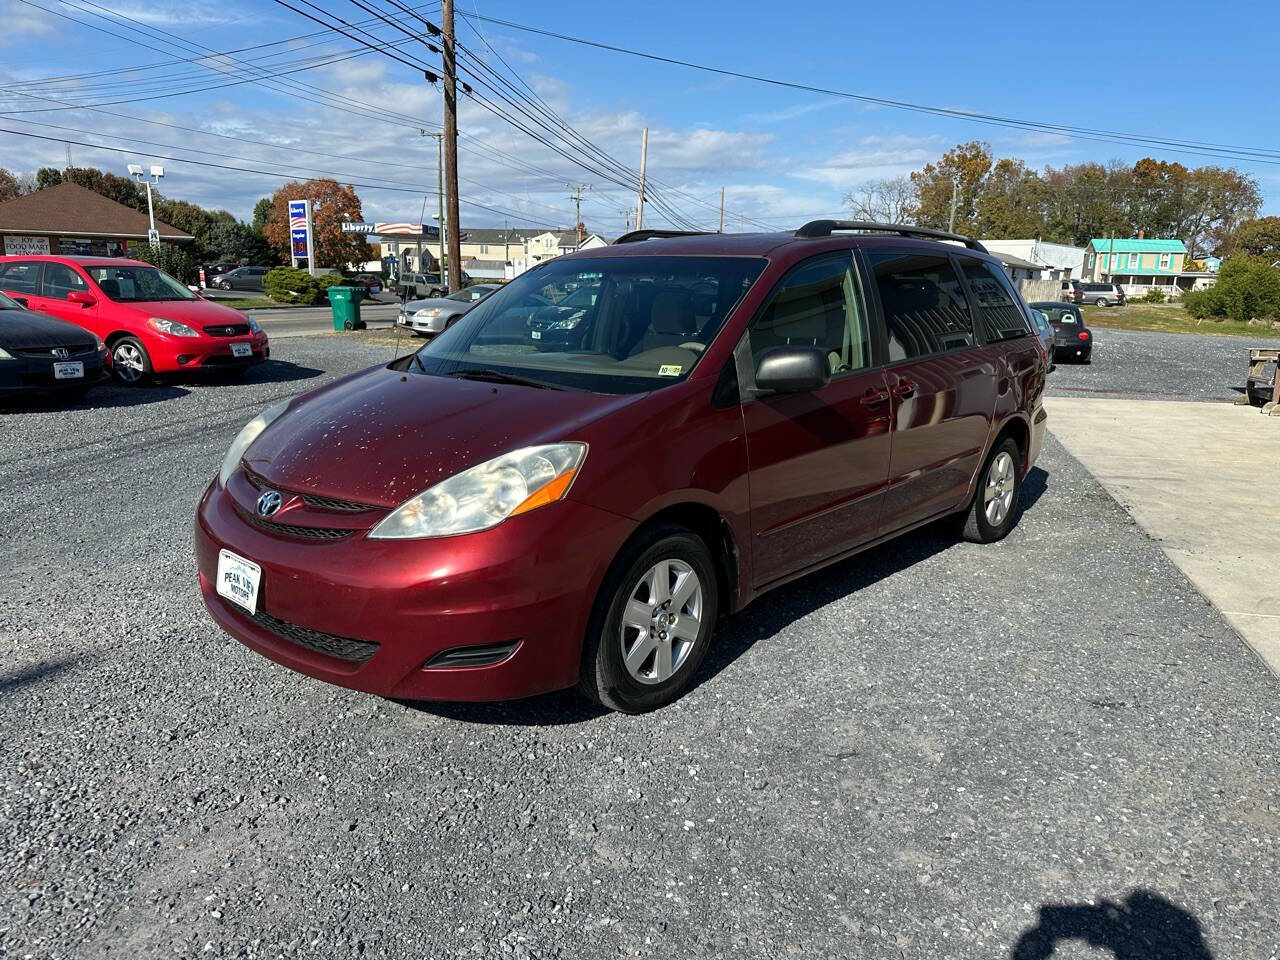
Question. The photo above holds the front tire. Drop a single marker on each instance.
(130, 362)
(1102, 302)
(652, 622)
(996, 502)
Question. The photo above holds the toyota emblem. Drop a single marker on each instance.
(61, 352)
(269, 503)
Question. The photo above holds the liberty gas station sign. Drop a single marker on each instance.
(300, 234)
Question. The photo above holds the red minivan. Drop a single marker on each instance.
(516, 508)
(149, 321)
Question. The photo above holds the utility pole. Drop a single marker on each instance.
(439, 193)
(576, 197)
(628, 214)
(644, 155)
(720, 229)
(450, 59)
(955, 198)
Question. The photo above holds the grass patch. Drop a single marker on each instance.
(247, 303)
(1171, 319)
(383, 337)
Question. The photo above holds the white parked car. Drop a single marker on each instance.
(434, 314)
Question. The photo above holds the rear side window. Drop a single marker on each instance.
(59, 280)
(22, 278)
(1002, 316)
(925, 311)
(817, 304)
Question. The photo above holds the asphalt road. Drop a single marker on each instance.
(934, 750)
(1158, 366)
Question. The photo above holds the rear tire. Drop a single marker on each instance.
(996, 502)
(652, 622)
(1102, 302)
(130, 362)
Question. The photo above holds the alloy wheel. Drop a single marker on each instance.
(661, 621)
(129, 363)
(997, 497)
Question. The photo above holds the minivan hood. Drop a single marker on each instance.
(382, 436)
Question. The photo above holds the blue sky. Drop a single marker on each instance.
(782, 156)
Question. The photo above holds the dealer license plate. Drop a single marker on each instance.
(242, 350)
(238, 580)
(70, 370)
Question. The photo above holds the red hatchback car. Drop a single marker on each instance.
(517, 508)
(149, 321)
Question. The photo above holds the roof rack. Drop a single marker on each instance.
(824, 228)
(635, 236)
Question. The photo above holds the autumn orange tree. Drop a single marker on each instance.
(331, 204)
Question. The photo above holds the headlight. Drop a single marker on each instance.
(254, 325)
(5, 354)
(422, 314)
(485, 495)
(172, 327)
(245, 437)
(98, 340)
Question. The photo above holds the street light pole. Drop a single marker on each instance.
(153, 235)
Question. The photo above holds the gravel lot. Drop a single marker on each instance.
(933, 750)
(1158, 366)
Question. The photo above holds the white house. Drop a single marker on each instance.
(1061, 261)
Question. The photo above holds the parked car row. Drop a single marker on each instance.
(572, 483)
(416, 286)
(142, 320)
(253, 278)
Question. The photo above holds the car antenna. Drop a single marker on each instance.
(404, 298)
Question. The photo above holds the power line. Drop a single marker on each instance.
(1086, 133)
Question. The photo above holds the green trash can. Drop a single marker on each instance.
(346, 307)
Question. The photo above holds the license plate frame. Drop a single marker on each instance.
(239, 580)
(242, 350)
(68, 370)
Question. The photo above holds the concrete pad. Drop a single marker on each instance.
(1203, 479)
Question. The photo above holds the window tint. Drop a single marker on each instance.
(817, 304)
(1002, 317)
(21, 278)
(925, 311)
(59, 280)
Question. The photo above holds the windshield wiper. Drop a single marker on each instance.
(497, 376)
(418, 360)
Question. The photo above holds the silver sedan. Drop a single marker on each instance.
(434, 314)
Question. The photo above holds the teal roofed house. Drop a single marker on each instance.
(1138, 264)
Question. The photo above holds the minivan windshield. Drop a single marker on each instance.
(129, 284)
(605, 325)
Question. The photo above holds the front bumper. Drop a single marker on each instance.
(524, 581)
(421, 324)
(35, 375)
(171, 354)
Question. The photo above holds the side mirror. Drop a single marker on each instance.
(793, 369)
(82, 298)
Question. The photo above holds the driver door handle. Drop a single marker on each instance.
(904, 388)
(874, 397)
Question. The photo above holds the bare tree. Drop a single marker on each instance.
(886, 200)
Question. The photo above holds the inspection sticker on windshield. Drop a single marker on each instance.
(670, 370)
(238, 580)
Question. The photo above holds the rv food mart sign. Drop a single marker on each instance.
(19, 246)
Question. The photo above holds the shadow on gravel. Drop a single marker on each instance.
(269, 371)
(785, 605)
(101, 397)
(11, 682)
(1145, 926)
(548, 710)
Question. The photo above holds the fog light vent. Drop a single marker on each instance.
(482, 656)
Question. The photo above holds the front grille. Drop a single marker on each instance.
(481, 656)
(228, 330)
(74, 351)
(293, 530)
(331, 645)
(311, 500)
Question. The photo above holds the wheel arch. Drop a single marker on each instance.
(714, 530)
(1017, 428)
